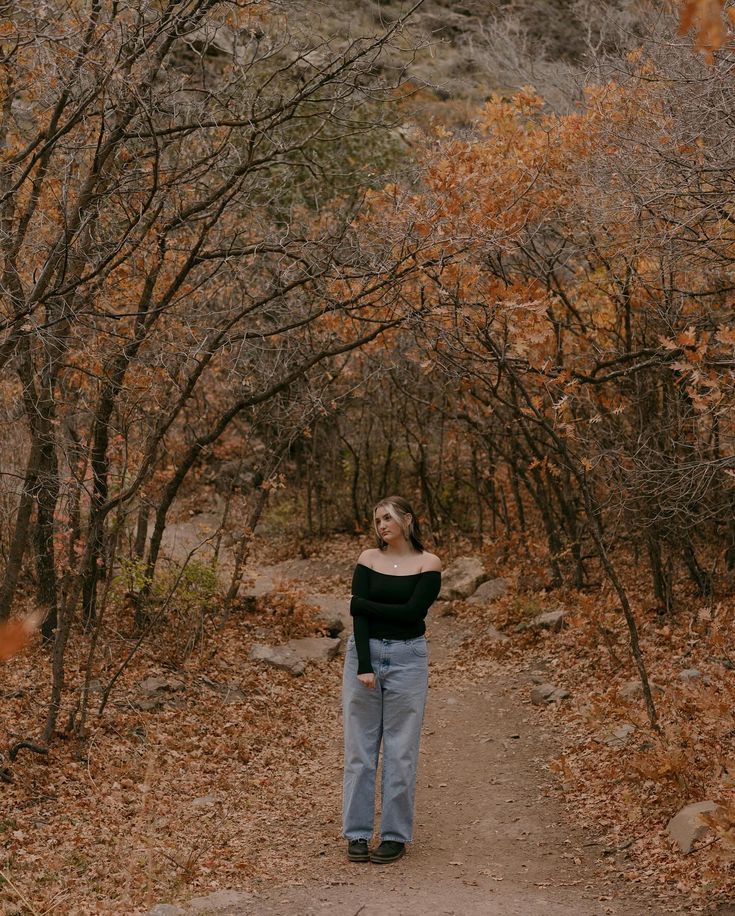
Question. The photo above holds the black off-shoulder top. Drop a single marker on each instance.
(389, 607)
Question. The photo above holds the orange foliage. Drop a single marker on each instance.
(15, 635)
(705, 18)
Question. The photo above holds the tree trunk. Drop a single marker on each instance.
(660, 573)
(48, 494)
(701, 578)
(20, 534)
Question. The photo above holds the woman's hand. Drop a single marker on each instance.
(367, 679)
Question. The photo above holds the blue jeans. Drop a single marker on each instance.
(392, 713)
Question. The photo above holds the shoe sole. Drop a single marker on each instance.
(365, 857)
(381, 861)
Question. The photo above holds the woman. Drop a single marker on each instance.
(385, 681)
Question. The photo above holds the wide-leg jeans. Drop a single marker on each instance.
(390, 713)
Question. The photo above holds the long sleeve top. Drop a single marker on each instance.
(389, 607)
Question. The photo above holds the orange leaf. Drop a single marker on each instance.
(15, 635)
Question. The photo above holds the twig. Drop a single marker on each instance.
(59, 898)
(703, 846)
(21, 896)
(19, 745)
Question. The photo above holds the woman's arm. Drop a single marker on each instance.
(425, 593)
(360, 625)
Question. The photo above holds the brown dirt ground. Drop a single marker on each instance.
(492, 836)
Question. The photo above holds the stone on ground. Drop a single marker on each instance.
(158, 691)
(443, 608)
(334, 612)
(618, 736)
(461, 578)
(542, 694)
(690, 674)
(149, 704)
(278, 657)
(551, 620)
(490, 591)
(256, 587)
(161, 685)
(314, 648)
(634, 689)
(686, 827)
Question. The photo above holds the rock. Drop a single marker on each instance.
(490, 591)
(334, 613)
(690, 674)
(334, 625)
(158, 691)
(686, 827)
(543, 694)
(634, 689)
(256, 587)
(165, 909)
(444, 609)
(206, 801)
(461, 578)
(618, 736)
(314, 648)
(161, 685)
(278, 657)
(149, 704)
(551, 620)
(540, 693)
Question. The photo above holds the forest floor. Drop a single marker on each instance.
(220, 790)
(491, 836)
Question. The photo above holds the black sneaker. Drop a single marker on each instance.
(388, 851)
(357, 851)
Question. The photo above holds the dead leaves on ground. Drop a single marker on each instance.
(626, 791)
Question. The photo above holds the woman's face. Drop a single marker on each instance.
(388, 528)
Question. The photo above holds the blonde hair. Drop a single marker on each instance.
(399, 508)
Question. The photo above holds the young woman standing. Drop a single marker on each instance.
(385, 681)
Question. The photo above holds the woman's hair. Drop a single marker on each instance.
(398, 508)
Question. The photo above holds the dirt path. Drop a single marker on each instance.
(490, 837)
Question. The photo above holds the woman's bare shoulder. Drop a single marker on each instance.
(430, 562)
(367, 557)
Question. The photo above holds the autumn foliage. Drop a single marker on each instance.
(228, 289)
(15, 635)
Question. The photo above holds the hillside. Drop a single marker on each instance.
(464, 51)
